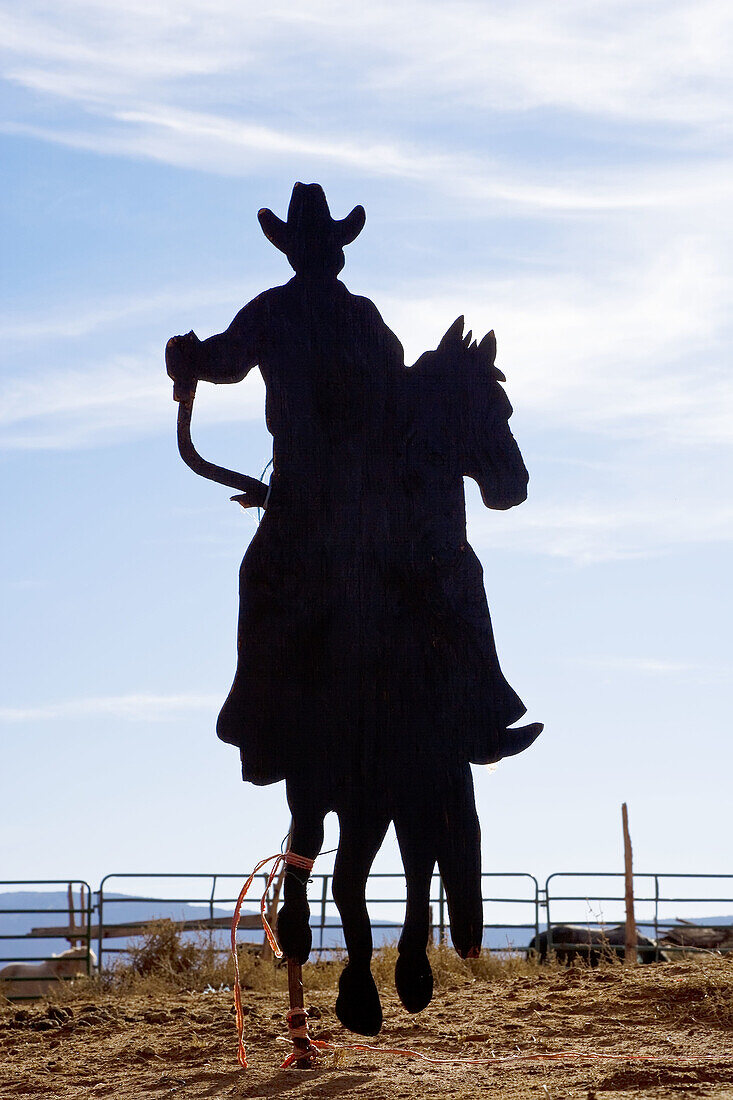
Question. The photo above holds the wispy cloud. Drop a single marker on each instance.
(637, 349)
(604, 529)
(124, 397)
(637, 61)
(625, 61)
(227, 145)
(701, 671)
(76, 319)
(134, 81)
(134, 708)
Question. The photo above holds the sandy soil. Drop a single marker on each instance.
(183, 1044)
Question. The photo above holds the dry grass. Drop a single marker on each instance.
(161, 951)
(701, 990)
(164, 961)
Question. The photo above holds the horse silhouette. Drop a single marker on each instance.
(367, 673)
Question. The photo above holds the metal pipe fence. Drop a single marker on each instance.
(604, 907)
(112, 925)
(509, 894)
(516, 910)
(75, 934)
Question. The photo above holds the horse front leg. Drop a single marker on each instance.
(362, 830)
(418, 847)
(306, 839)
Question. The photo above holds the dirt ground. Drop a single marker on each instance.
(667, 1031)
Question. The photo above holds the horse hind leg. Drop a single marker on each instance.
(361, 834)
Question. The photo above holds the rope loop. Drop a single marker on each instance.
(288, 858)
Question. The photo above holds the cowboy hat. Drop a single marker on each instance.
(310, 222)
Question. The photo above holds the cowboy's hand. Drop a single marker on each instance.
(256, 497)
(180, 362)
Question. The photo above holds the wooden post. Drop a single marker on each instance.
(630, 955)
(297, 1018)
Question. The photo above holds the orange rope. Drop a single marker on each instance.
(298, 1030)
(298, 1023)
(321, 1045)
(289, 859)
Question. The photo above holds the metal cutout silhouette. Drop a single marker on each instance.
(367, 675)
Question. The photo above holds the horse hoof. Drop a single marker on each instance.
(293, 930)
(358, 1006)
(467, 935)
(413, 979)
(470, 952)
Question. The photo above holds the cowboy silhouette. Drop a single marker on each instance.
(367, 674)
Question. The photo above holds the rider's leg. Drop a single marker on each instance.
(459, 859)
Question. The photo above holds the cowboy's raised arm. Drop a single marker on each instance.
(226, 357)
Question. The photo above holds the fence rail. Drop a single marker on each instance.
(502, 892)
(516, 909)
(78, 934)
(652, 895)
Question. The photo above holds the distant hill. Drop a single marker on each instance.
(50, 909)
(118, 909)
(709, 921)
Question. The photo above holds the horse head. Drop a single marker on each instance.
(464, 412)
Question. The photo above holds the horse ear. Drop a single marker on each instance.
(453, 335)
(467, 338)
(488, 347)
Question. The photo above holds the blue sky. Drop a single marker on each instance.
(561, 173)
